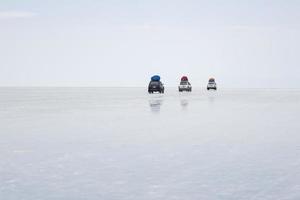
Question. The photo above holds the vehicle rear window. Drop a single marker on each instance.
(154, 83)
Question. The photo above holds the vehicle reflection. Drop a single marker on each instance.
(211, 97)
(184, 100)
(155, 104)
(184, 103)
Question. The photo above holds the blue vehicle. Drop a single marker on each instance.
(156, 85)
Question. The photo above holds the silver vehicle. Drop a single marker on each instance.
(211, 84)
(185, 86)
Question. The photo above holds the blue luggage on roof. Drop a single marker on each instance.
(155, 78)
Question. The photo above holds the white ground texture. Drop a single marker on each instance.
(122, 143)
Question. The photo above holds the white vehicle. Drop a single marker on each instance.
(185, 86)
(211, 84)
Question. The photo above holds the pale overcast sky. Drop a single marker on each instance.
(243, 44)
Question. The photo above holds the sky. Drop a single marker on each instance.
(243, 44)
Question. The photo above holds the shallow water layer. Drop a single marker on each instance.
(122, 143)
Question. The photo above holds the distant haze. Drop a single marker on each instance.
(243, 44)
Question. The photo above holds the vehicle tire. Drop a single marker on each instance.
(207, 88)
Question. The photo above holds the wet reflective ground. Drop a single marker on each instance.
(123, 143)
